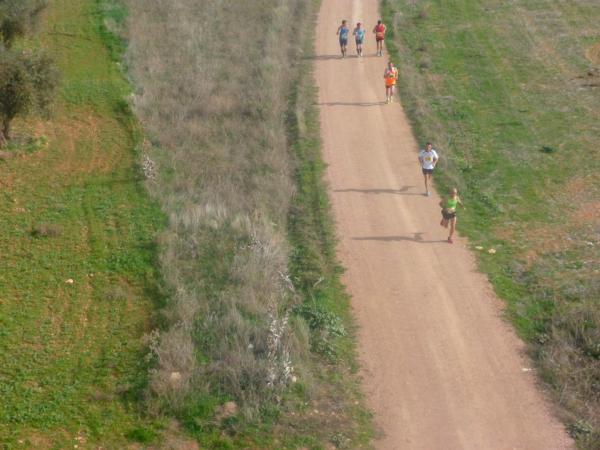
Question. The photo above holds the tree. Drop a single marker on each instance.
(27, 83)
(17, 17)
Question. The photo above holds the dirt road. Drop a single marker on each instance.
(441, 368)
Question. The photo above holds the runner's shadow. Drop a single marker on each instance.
(322, 57)
(336, 56)
(401, 191)
(417, 237)
(351, 104)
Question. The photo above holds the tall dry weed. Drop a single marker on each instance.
(213, 78)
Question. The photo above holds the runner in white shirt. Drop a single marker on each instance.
(428, 159)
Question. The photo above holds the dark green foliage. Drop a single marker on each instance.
(17, 18)
(326, 328)
(141, 434)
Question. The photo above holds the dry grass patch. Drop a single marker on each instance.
(592, 53)
(213, 93)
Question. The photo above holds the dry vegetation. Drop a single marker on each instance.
(213, 86)
(255, 313)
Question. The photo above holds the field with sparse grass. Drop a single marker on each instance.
(509, 92)
(78, 285)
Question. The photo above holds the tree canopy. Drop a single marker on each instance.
(17, 17)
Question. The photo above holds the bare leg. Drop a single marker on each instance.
(452, 228)
(426, 187)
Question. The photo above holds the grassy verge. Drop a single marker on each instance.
(73, 207)
(509, 93)
(255, 350)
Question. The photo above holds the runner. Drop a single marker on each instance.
(449, 212)
(428, 159)
(359, 36)
(343, 31)
(391, 76)
(379, 31)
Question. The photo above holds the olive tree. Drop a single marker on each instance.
(27, 83)
(17, 17)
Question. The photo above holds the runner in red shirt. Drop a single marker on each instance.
(379, 31)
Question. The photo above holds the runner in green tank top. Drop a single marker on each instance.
(449, 212)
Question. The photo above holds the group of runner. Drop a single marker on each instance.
(428, 158)
(390, 74)
(359, 33)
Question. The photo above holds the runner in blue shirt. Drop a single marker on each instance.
(359, 36)
(343, 31)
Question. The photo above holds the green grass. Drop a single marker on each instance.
(506, 93)
(73, 206)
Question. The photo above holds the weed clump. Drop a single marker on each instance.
(45, 230)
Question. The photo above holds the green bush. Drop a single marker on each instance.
(17, 18)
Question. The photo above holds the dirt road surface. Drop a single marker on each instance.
(442, 370)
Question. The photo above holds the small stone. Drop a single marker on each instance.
(70, 281)
(294, 379)
(175, 377)
(479, 247)
(492, 251)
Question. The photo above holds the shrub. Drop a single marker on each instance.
(27, 83)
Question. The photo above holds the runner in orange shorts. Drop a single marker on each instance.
(390, 76)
